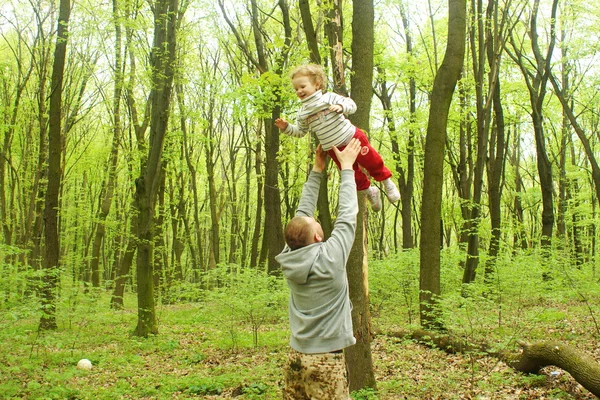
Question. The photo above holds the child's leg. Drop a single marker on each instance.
(370, 159)
(362, 180)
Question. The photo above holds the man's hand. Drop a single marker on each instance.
(320, 160)
(281, 123)
(347, 156)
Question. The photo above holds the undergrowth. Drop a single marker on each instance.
(227, 338)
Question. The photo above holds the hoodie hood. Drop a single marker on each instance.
(298, 264)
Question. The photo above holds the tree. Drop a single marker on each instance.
(315, 57)
(107, 192)
(441, 97)
(358, 357)
(537, 80)
(273, 232)
(162, 57)
(498, 142)
(51, 261)
(484, 47)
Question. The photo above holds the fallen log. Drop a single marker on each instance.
(531, 359)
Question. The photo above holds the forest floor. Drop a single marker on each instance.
(205, 351)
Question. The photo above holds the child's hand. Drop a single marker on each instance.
(281, 123)
(336, 108)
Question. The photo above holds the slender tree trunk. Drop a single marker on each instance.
(178, 214)
(108, 190)
(215, 227)
(495, 169)
(124, 270)
(483, 102)
(441, 97)
(273, 231)
(519, 232)
(309, 31)
(315, 57)
(462, 168)
(51, 261)
(536, 85)
(254, 247)
(407, 178)
(385, 96)
(196, 237)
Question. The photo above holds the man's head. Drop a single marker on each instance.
(302, 231)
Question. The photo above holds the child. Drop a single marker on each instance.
(323, 113)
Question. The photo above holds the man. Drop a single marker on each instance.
(315, 269)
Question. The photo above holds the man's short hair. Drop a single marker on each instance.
(298, 233)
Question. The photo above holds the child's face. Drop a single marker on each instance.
(304, 86)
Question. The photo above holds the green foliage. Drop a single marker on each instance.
(262, 91)
(255, 390)
(394, 286)
(364, 394)
(245, 299)
(204, 389)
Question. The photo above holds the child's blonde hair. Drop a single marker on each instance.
(313, 71)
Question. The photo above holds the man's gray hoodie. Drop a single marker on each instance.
(320, 308)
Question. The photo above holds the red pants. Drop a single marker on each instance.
(369, 159)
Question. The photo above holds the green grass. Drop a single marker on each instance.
(226, 345)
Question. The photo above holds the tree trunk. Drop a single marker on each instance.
(462, 168)
(258, 220)
(147, 185)
(441, 97)
(495, 169)
(195, 245)
(483, 102)
(315, 57)
(589, 151)
(50, 279)
(536, 84)
(497, 151)
(117, 300)
(309, 31)
(359, 359)
(106, 195)
(535, 356)
(407, 177)
(215, 226)
(273, 240)
(519, 232)
(334, 30)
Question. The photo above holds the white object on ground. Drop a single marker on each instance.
(85, 364)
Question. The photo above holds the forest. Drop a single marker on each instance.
(144, 189)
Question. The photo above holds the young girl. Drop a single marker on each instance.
(323, 114)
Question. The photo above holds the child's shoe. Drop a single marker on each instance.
(391, 191)
(374, 197)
